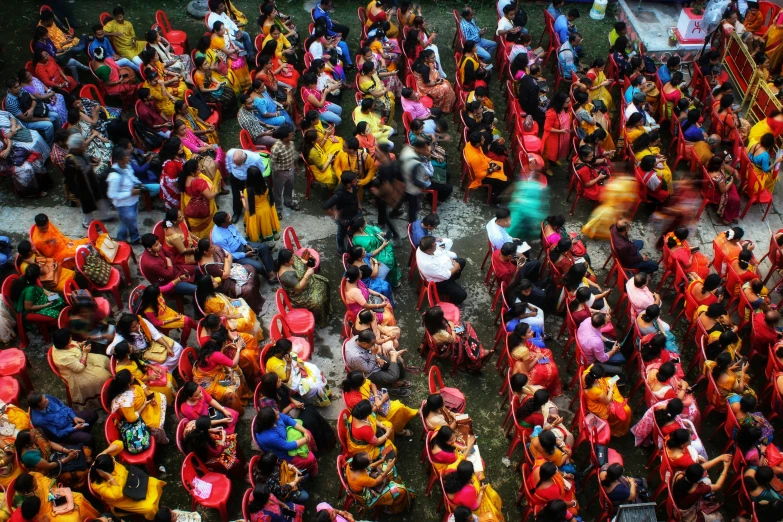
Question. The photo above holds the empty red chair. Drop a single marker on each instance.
(145, 458)
(13, 363)
(9, 390)
(193, 468)
(112, 286)
(301, 321)
(178, 39)
(124, 250)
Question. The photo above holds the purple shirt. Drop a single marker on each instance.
(415, 108)
(592, 343)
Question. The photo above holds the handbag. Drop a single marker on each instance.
(82, 298)
(62, 503)
(602, 431)
(163, 380)
(197, 207)
(107, 247)
(618, 410)
(96, 269)
(50, 276)
(135, 436)
(453, 399)
(136, 484)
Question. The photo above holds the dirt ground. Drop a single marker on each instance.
(462, 222)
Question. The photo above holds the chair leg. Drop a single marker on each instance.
(126, 271)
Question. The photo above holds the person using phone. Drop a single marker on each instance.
(381, 476)
(537, 363)
(605, 401)
(198, 402)
(59, 422)
(599, 350)
(127, 396)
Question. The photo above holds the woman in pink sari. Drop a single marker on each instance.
(557, 130)
(196, 146)
(197, 402)
(664, 384)
(358, 297)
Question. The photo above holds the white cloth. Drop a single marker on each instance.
(648, 121)
(501, 5)
(316, 49)
(231, 27)
(120, 186)
(504, 24)
(497, 235)
(170, 364)
(435, 267)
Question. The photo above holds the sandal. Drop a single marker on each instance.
(405, 433)
(293, 206)
(402, 384)
(399, 392)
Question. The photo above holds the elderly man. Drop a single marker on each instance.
(766, 330)
(244, 252)
(237, 163)
(437, 266)
(629, 251)
(639, 295)
(471, 32)
(567, 57)
(599, 349)
(218, 13)
(361, 354)
(639, 104)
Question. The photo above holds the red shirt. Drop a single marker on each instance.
(149, 114)
(157, 271)
(504, 270)
(764, 334)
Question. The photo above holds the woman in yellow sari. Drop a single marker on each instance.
(318, 160)
(356, 388)
(301, 377)
(172, 80)
(634, 127)
(129, 397)
(463, 488)
(363, 427)
(195, 185)
(236, 310)
(598, 90)
(773, 40)
(728, 382)
(220, 376)
(228, 52)
(34, 484)
(53, 274)
(152, 306)
(605, 401)
(189, 116)
(327, 140)
(155, 378)
(261, 219)
(371, 86)
(108, 478)
(217, 64)
(377, 484)
(213, 327)
(284, 51)
(650, 144)
(591, 119)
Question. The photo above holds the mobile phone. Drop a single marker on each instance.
(553, 411)
(384, 390)
(459, 329)
(60, 501)
(614, 379)
(236, 303)
(389, 456)
(544, 360)
(151, 396)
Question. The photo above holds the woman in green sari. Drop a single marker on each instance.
(304, 287)
(371, 239)
(33, 301)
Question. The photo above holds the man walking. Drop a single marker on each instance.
(124, 189)
(283, 156)
(237, 163)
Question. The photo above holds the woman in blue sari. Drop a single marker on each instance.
(269, 111)
(373, 272)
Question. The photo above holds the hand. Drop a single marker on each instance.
(77, 420)
(297, 404)
(135, 192)
(310, 271)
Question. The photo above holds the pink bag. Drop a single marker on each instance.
(602, 431)
(453, 399)
(618, 410)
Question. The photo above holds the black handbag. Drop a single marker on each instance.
(136, 484)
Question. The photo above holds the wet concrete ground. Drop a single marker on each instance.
(464, 223)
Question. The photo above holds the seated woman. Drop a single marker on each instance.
(319, 161)
(465, 348)
(545, 445)
(371, 86)
(463, 488)
(373, 271)
(728, 120)
(750, 444)
(727, 381)
(198, 402)
(672, 93)
(145, 340)
(681, 454)
(95, 144)
(199, 147)
(654, 353)
(235, 310)
(472, 72)
(447, 452)
(295, 445)
(372, 240)
(693, 261)
(230, 58)
(593, 176)
(620, 489)
(691, 493)
(212, 444)
(537, 363)
(153, 307)
(171, 80)
(265, 506)
(664, 384)
(635, 128)
(172, 63)
(377, 483)
(756, 294)
(221, 376)
(386, 336)
(582, 309)
(744, 408)
(357, 388)
(744, 268)
(304, 287)
(763, 164)
(704, 292)
(164, 99)
(155, 378)
(237, 281)
(650, 322)
(484, 169)
(214, 87)
(324, 50)
(303, 378)
(84, 372)
(367, 433)
(539, 411)
(693, 133)
(52, 75)
(117, 80)
(657, 188)
(281, 477)
(66, 462)
(529, 314)
(546, 483)
(179, 242)
(436, 414)
(37, 485)
(762, 485)
(358, 297)
(715, 320)
(327, 111)
(34, 302)
(273, 392)
(430, 83)
(267, 110)
(640, 84)
(725, 179)
(592, 118)
(424, 38)
(225, 334)
(600, 393)
(283, 71)
(130, 397)
(108, 479)
(668, 415)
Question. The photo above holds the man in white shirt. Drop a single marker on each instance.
(237, 163)
(437, 266)
(638, 105)
(506, 22)
(496, 229)
(124, 189)
(219, 14)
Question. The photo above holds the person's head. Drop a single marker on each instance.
(598, 320)
(652, 345)
(362, 410)
(24, 483)
(222, 219)
(682, 486)
(727, 339)
(748, 437)
(427, 244)
(613, 474)
(434, 319)
(586, 154)
(620, 45)
(748, 403)
(353, 381)
(120, 383)
(560, 101)
(455, 481)
(572, 14)
(634, 120)
(37, 400)
(360, 461)
(595, 373)
(744, 258)
(518, 382)
(648, 163)
(366, 339)
(679, 439)
(61, 338)
(120, 156)
(676, 79)
(620, 28)
(31, 505)
(266, 419)
(651, 313)
(666, 371)
(433, 403)
(722, 362)
(555, 511)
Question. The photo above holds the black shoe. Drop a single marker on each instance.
(350, 67)
(235, 218)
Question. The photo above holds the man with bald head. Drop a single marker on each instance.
(237, 163)
(766, 330)
(629, 251)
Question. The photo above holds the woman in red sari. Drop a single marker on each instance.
(672, 93)
(690, 491)
(118, 81)
(547, 483)
(172, 158)
(429, 82)
(557, 129)
(52, 75)
(282, 72)
(537, 363)
(680, 251)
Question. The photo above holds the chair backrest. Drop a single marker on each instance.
(192, 467)
(278, 328)
(55, 371)
(6, 289)
(135, 297)
(105, 402)
(342, 430)
(105, 18)
(92, 92)
(64, 317)
(345, 361)
(180, 436)
(178, 400)
(282, 301)
(248, 494)
(290, 239)
(110, 428)
(435, 380)
(263, 356)
(245, 141)
(186, 361)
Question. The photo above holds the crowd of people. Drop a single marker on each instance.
(139, 362)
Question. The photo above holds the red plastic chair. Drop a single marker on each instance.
(145, 458)
(468, 177)
(178, 39)
(180, 435)
(112, 286)
(450, 311)
(105, 18)
(9, 390)
(55, 371)
(291, 242)
(301, 321)
(105, 397)
(187, 359)
(20, 321)
(412, 257)
(192, 468)
(246, 141)
(435, 385)
(342, 431)
(124, 250)
(13, 363)
(279, 329)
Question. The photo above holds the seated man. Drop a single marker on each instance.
(628, 251)
(472, 33)
(656, 185)
(483, 170)
(100, 40)
(567, 57)
(361, 354)
(497, 229)
(260, 133)
(364, 112)
(424, 227)
(437, 266)
(50, 242)
(159, 269)
(666, 70)
(599, 349)
(593, 176)
(766, 330)
(639, 294)
(59, 422)
(511, 265)
(149, 114)
(21, 104)
(257, 255)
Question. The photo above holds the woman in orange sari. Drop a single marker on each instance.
(728, 382)
(744, 269)
(731, 244)
(429, 83)
(692, 261)
(773, 40)
(546, 483)
(605, 400)
(703, 293)
(728, 120)
(483, 170)
(153, 307)
(557, 129)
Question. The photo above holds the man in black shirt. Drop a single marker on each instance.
(529, 95)
(344, 206)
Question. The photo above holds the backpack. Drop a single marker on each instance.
(96, 269)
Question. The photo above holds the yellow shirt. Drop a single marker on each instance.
(59, 38)
(126, 43)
